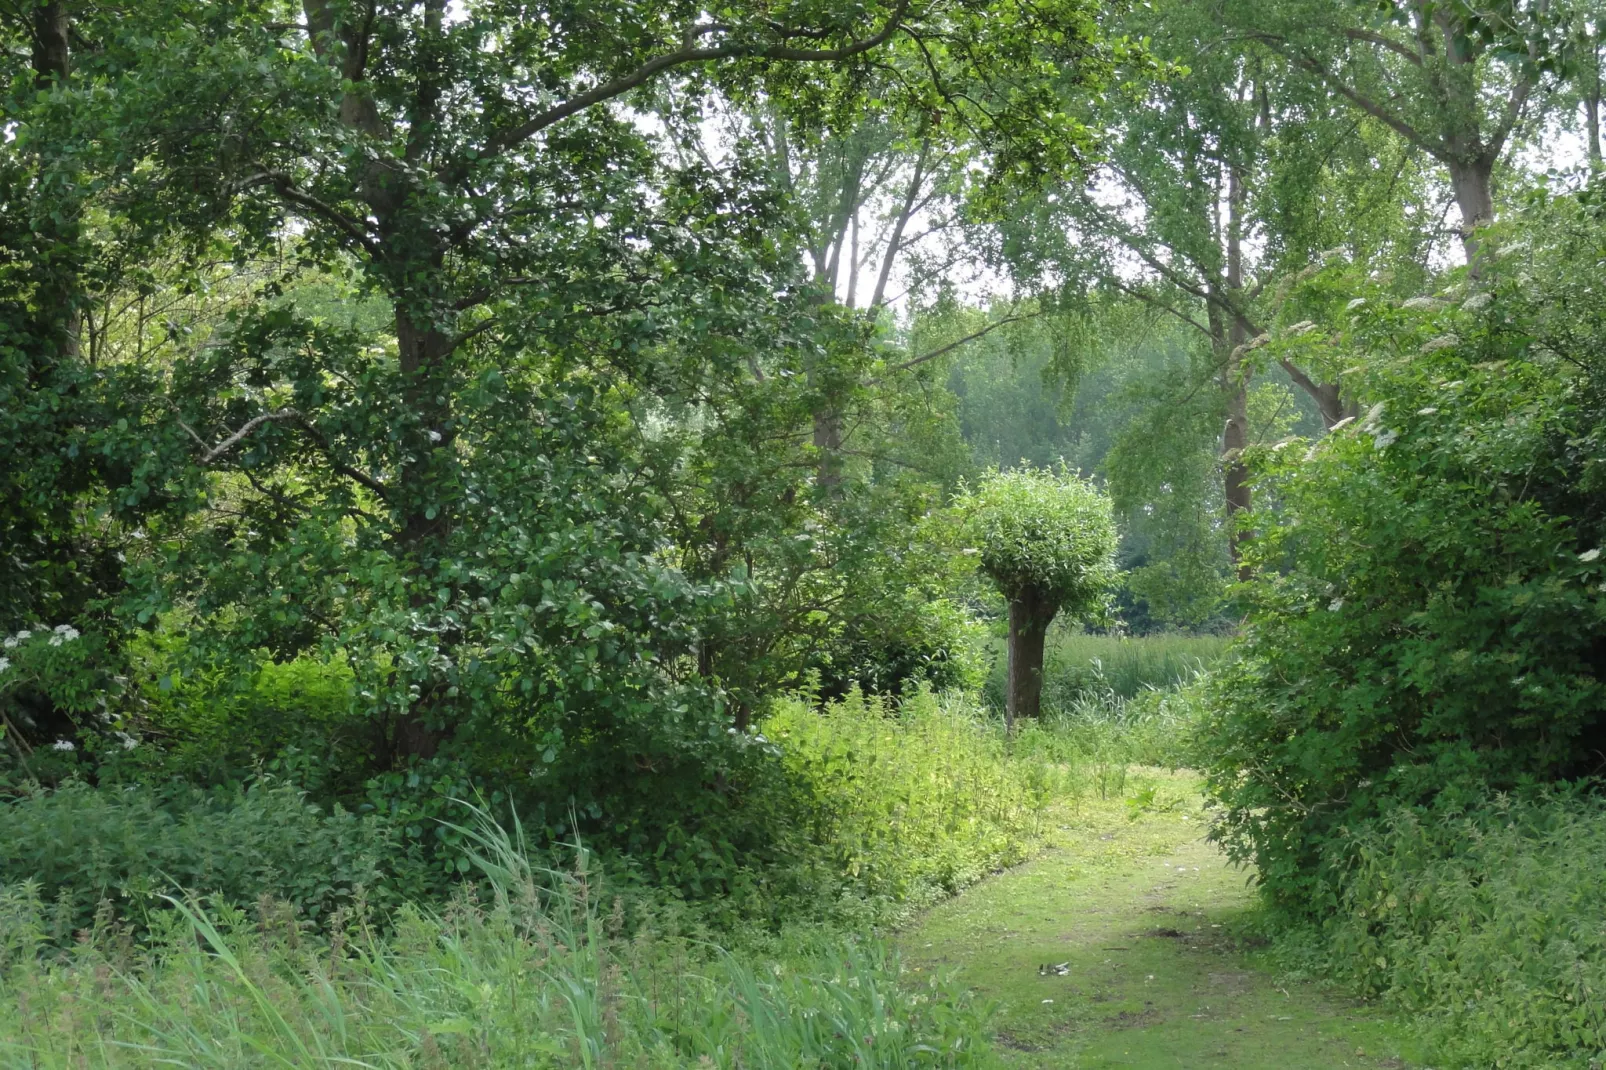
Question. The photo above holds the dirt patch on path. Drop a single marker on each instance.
(1131, 944)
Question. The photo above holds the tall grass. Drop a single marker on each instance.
(536, 973)
(1076, 665)
(1097, 735)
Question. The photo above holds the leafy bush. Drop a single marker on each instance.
(942, 647)
(540, 976)
(908, 801)
(219, 724)
(1487, 926)
(1428, 621)
(54, 693)
(79, 845)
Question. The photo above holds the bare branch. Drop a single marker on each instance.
(951, 346)
(379, 489)
(1163, 306)
(1386, 42)
(250, 425)
(288, 192)
(895, 241)
(1432, 147)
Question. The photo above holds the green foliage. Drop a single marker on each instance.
(222, 724)
(1050, 534)
(130, 846)
(940, 645)
(57, 696)
(910, 801)
(1429, 612)
(541, 975)
(1484, 925)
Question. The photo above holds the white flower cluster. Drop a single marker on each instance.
(61, 633)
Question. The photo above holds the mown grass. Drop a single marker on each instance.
(1131, 942)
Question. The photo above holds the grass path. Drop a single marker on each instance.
(1151, 960)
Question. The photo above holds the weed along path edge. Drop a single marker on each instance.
(1128, 943)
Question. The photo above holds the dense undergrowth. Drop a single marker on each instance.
(530, 968)
(141, 929)
(1408, 740)
(1488, 926)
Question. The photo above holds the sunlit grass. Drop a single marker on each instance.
(1077, 664)
(535, 972)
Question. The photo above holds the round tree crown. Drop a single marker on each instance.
(1044, 533)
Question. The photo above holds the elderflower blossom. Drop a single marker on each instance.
(63, 744)
(63, 633)
(5, 663)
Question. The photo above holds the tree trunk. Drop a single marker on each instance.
(1029, 618)
(427, 515)
(52, 57)
(58, 281)
(828, 441)
(1235, 383)
(1235, 474)
(1329, 397)
(1473, 182)
(1592, 120)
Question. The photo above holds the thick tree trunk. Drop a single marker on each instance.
(52, 56)
(1473, 182)
(1029, 618)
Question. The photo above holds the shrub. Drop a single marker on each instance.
(219, 724)
(79, 845)
(1486, 925)
(909, 801)
(941, 647)
(1428, 621)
